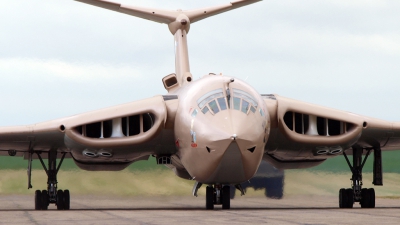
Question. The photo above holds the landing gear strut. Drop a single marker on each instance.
(218, 195)
(50, 196)
(366, 197)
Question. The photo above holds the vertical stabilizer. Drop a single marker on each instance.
(178, 23)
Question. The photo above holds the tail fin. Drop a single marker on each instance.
(178, 23)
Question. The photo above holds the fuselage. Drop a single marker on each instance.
(221, 128)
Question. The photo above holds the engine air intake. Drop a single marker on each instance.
(118, 127)
(315, 125)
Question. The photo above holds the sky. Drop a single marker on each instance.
(61, 57)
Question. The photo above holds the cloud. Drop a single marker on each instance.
(77, 72)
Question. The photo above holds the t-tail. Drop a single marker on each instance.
(178, 23)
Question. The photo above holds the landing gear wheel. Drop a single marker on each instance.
(66, 200)
(45, 200)
(372, 197)
(367, 198)
(60, 200)
(350, 198)
(342, 198)
(226, 200)
(51, 195)
(209, 197)
(346, 199)
(38, 200)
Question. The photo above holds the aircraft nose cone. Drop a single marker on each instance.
(230, 168)
(234, 137)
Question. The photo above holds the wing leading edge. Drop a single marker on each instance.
(120, 134)
(304, 135)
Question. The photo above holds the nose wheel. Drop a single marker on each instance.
(218, 195)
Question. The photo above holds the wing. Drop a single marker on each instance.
(304, 135)
(114, 136)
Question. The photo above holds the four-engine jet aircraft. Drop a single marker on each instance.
(214, 130)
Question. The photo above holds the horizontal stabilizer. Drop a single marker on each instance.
(199, 14)
(157, 15)
(168, 16)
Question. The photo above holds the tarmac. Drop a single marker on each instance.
(19, 209)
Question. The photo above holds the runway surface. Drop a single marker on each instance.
(190, 210)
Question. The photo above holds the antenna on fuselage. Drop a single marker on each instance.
(178, 23)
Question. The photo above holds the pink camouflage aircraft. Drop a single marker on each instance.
(215, 130)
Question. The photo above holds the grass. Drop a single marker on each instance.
(390, 159)
(146, 178)
(165, 183)
(123, 183)
(16, 163)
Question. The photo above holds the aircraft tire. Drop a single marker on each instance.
(226, 200)
(45, 200)
(342, 198)
(350, 198)
(365, 198)
(60, 200)
(371, 193)
(209, 197)
(66, 200)
(38, 200)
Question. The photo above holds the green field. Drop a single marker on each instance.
(16, 163)
(391, 164)
(146, 178)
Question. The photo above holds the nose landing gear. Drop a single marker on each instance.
(218, 195)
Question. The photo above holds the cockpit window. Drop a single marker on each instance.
(194, 113)
(245, 96)
(247, 100)
(245, 106)
(205, 110)
(261, 112)
(222, 103)
(236, 103)
(215, 101)
(213, 106)
(209, 96)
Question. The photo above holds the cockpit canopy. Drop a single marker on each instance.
(216, 101)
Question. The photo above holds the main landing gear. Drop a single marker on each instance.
(50, 196)
(366, 197)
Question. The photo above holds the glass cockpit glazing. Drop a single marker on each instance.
(216, 101)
